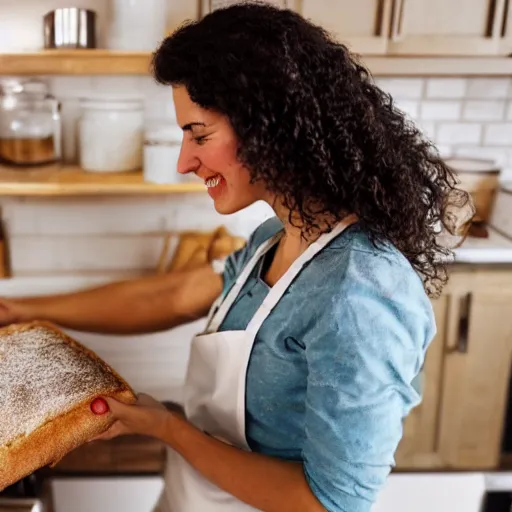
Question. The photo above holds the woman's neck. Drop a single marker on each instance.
(296, 238)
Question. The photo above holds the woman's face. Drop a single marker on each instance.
(209, 151)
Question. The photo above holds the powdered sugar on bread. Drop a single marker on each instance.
(44, 374)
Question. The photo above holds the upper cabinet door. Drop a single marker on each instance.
(447, 27)
(363, 25)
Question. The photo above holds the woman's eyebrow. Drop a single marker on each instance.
(189, 126)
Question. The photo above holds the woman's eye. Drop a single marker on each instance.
(200, 140)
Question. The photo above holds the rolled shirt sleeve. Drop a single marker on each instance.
(363, 358)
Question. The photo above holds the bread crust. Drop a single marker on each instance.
(51, 441)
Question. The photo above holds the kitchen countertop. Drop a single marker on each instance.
(126, 455)
(494, 249)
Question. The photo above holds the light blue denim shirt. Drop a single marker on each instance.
(331, 374)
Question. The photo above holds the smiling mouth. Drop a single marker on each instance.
(213, 182)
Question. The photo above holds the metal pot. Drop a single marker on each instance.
(70, 27)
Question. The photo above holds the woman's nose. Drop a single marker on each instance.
(187, 162)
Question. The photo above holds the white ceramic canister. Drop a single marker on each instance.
(137, 25)
(162, 147)
(111, 134)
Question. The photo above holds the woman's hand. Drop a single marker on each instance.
(12, 311)
(146, 417)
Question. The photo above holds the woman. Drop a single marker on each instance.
(318, 328)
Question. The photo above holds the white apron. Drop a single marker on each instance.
(214, 397)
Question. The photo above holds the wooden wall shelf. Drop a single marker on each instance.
(71, 180)
(75, 62)
(104, 62)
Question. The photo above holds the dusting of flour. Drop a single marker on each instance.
(42, 377)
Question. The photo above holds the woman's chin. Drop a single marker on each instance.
(225, 208)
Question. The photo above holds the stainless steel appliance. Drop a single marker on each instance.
(70, 27)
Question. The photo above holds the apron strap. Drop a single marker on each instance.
(279, 289)
(222, 306)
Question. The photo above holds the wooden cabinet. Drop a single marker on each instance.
(460, 421)
(447, 27)
(417, 27)
(362, 25)
(419, 447)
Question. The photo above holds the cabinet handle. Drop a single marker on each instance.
(504, 24)
(463, 332)
(398, 17)
(383, 22)
(497, 19)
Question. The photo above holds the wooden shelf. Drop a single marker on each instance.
(104, 62)
(71, 180)
(75, 62)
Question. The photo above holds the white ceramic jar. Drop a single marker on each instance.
(137, 25)
(111, 134)
(162, 148)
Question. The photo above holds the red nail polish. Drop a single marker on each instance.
(99, 406)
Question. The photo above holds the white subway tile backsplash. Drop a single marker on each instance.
(88, 216)
(66, 87)
(194, 213)
(488, 88)
(428, 128)
(441, 110)
(446, 88)
(498, 134)
(402, 88)
(152, 363)
(61, 254)
(509, 111)
(483, 110)
(85, 216)
(459, 133)
(445, 150)
(409, 107)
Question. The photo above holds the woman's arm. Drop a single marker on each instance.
(266, 483)
(137, 306)
(263, 482)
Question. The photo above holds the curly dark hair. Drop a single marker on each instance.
(313, 125)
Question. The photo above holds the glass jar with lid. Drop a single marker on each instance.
(30, 124)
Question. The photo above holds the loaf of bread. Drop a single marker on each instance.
(197, 248)
(48, 382)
